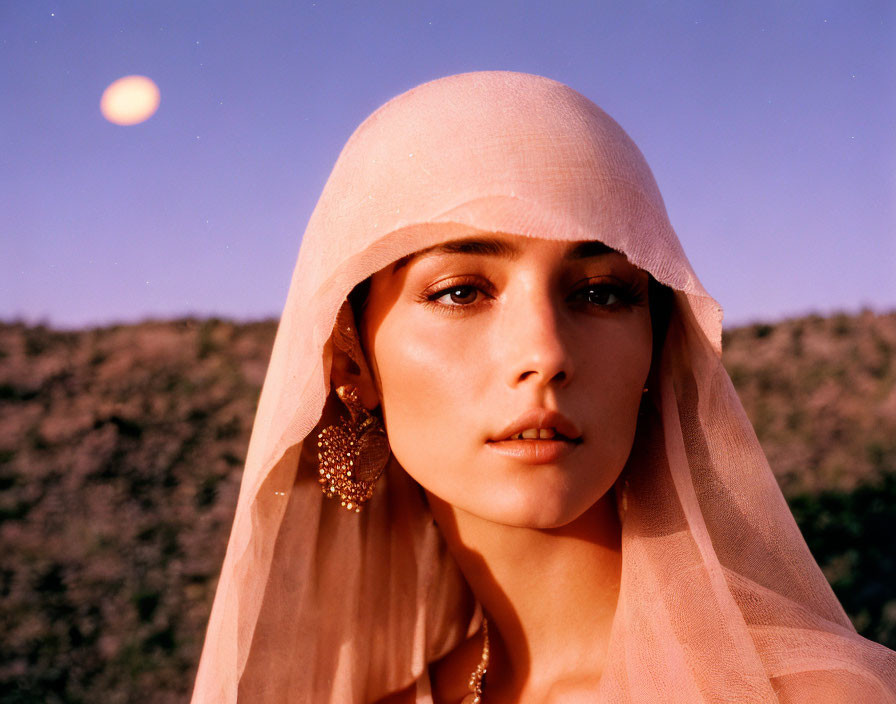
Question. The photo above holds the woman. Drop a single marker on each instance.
(491, 255)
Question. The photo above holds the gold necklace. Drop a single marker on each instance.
(475, 682)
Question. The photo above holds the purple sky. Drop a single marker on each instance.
(770, 127)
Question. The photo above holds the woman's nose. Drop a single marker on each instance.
(537, 351)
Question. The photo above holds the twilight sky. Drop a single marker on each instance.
(770, 127)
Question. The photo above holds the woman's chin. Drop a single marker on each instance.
(537, 510)
(525, 495)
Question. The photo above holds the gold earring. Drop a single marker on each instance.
(352, 454)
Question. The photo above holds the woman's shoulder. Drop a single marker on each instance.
(448, 676)
(451, 673)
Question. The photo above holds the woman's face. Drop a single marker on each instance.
(468, 337)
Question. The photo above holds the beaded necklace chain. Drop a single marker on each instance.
(475, 682)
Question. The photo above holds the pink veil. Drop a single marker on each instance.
(720, 598)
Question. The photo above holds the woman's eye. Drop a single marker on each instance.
(619, 295)
(458, 298)
(459, 295)
(602, 295)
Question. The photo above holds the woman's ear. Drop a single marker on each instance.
(349, 364)
(346, 371)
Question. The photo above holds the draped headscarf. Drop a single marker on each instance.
(720, 599)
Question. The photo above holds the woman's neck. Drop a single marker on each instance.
(550, 596)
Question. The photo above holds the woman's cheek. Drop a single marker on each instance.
(418, 381)
(615, 379)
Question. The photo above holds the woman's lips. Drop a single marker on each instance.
(535, 451)
(539, 418)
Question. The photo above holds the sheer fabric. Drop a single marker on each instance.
(720, 599)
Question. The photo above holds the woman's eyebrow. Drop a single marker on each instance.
(497, 248)
(488, 246)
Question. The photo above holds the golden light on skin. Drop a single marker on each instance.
(130, 100)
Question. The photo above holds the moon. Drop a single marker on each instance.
(130, 100)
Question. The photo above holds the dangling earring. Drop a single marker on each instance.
(353, 453)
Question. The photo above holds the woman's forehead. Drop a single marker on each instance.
(506, 247)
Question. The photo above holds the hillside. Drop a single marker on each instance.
(121, 450)
(821, 393)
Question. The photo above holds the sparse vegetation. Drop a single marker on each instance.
(120, 458)
(121, 450)
(818, 408)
